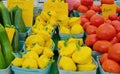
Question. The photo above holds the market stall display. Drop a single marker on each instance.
(79, 37)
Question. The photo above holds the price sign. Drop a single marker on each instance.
(108, 9)
(60, 8)
(27, 8)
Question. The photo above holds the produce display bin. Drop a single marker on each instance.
(6, 71)
(117, 2)
(95, 54)
(24, 35)
(67, 36)
(100, 68)
(18, 70)
(85, 72)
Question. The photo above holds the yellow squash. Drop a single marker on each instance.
(10, 32)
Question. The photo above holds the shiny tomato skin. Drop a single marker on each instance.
(90, 13)
(101, 46)
(103, 57)
(114, 52)
(111, 66)
(91, 29)
(97, 20)
(91, 39)
(105, 31)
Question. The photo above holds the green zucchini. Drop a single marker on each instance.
(2, 60)
(19, 23)
(12, 14)
(5, 15)
(16, 42)
(6, 46)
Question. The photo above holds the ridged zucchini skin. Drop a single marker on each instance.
(2, 60)
(19, 23)
(6, 46)
(5, 15)
(12, 12)
(16, 42)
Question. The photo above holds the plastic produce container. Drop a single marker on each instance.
(18, 70)
(85, 72)
(95, 54)
(100, 68)
(117, 2)
(67, 36)
(24, 35)
(6, 71)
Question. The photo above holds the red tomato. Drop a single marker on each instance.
(86, 25)
(86, 2)
(106, 31)
(103, 57)
(118, 18)
(97, 20)
(114, 52)
(116, 25)
(107, 1)
(76, 5)
(91, 39)
(111, 66)
(114, 40)
(90, 13)
(108, 21)
(113, 17)
(82, 9)
(101, 46)
(96, 8)
(91, 29)
(84, 20)
(118, 9)
(118, 36)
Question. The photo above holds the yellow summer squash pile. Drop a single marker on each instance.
(74, 56)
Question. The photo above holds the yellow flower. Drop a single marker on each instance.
(67, 63)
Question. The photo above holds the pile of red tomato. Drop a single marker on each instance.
(103, 33)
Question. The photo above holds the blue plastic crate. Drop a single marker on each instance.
(18, 70)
